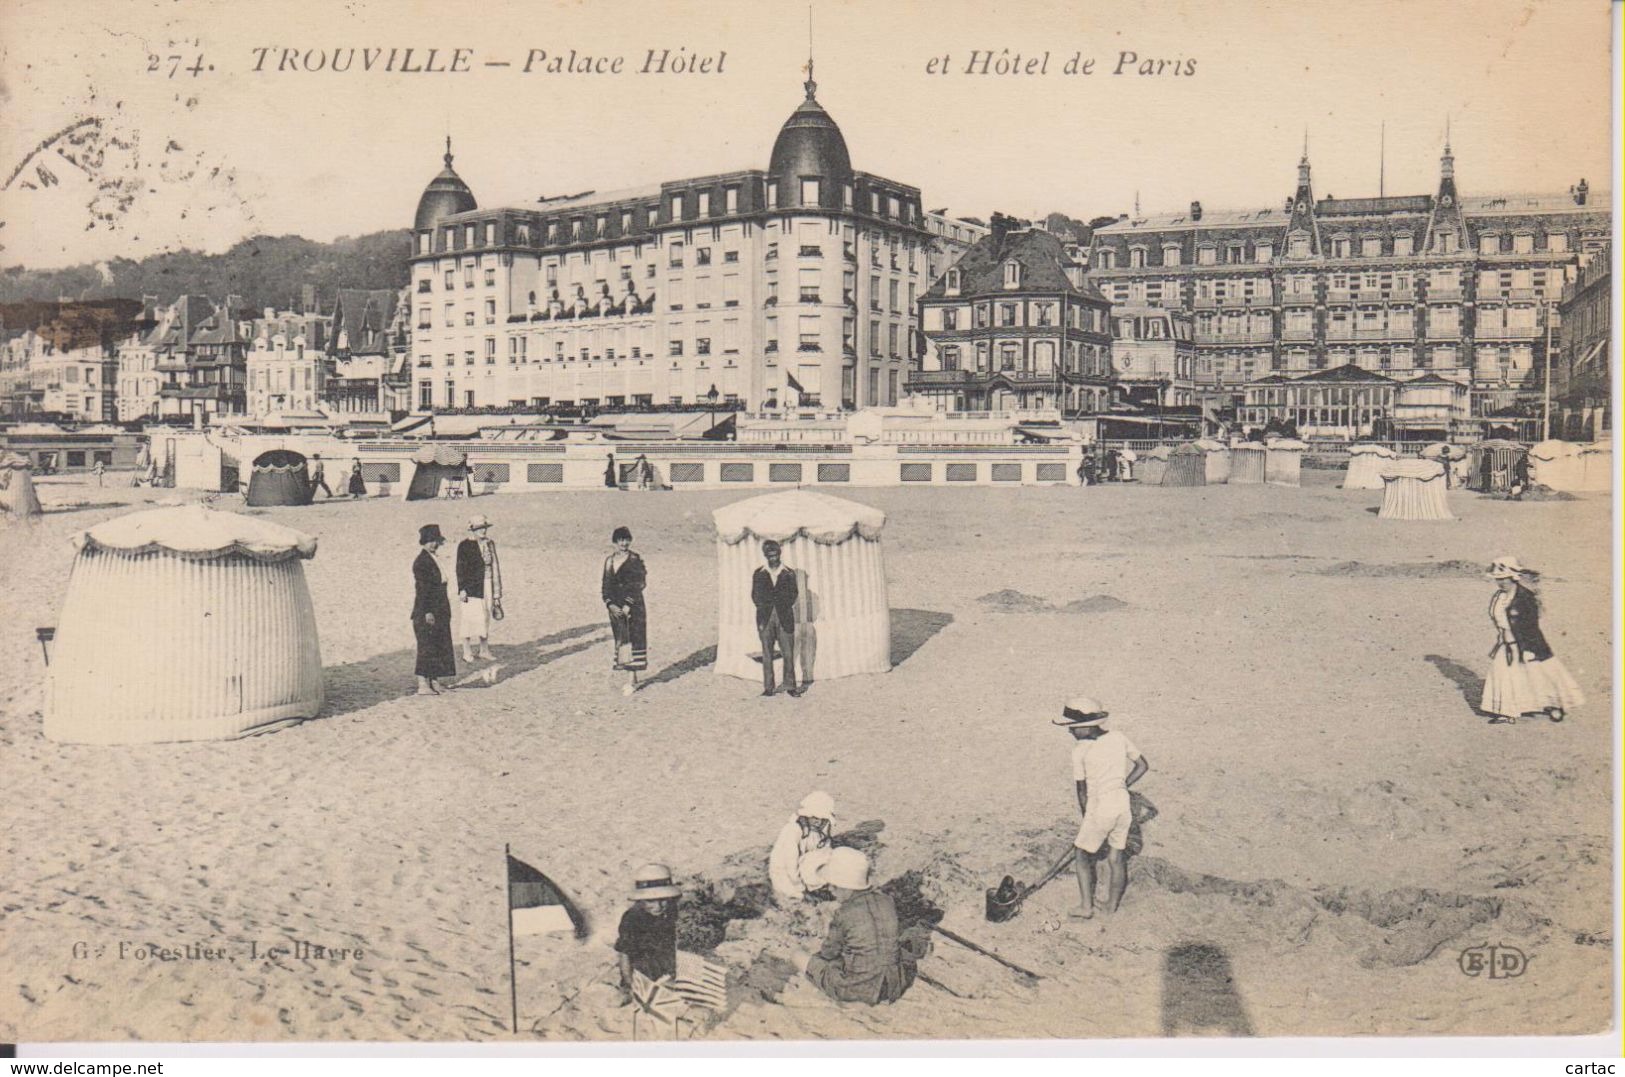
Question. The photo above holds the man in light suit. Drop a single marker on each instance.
(773, 590)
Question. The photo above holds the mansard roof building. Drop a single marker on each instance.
(1447, 284)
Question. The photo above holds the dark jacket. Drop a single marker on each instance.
(770, 596)
(470, 569)
(862, 959)
(624, 586)
(430, 590)
(1523, 614)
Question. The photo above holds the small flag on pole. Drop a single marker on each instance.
(537, 905)
(700, 982)
(790, 380)
(657, 998)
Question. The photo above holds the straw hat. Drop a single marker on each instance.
(430, 533)
(653, 883)
(1081, 711)
(1507, 568)
(848, 869)
(817, 805)
(478, 522)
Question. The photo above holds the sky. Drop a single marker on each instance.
(204, 150)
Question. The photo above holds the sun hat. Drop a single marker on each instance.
(848, 869)
(1507, 568)
(652, 882)
(1081, 711)
(817, 805)
(430, 533)
(478, 521)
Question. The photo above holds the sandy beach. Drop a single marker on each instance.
(1326, 822)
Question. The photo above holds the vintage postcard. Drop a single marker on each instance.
(693, 522)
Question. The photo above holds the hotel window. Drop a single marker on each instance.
(451, 279)
(490, 349)
(808, 332)
(705, 204)
(1490, 243)
(772, 195)
(676, 254)
(1107, 259)
(982, 353)
(674, 347)
(1371, 247)
(891, 296)
(423, 317)
(468, 358)
(1523, 243)
(552, 231)
(1206, 255)
(1007, 356)
(674, 208)
(951, 282)
(702, 346)
(451, 314)
(575, 228)
(846, 196)
(730, 256)
(950, 318)
(891, 207)
(468, 317)
(1557, 242)
(730, 199)
(1170, 255)
(626, 222)
(809, 192)
(1264, 252)
(1136, 260)
(552, 276)
(1007, 314)
(1012, 274)
(891, 341)
(451, 358)
(1236, 254)
(490, 234)
(949, 358)
(1403, 244)
(468, 235)
(807, 281)
(468, 276)
(490, 311)
(1340, 247)
(423, 243)
(874, 336)
(702, 256)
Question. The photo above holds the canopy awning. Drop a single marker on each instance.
(783, 516)
(195, 532)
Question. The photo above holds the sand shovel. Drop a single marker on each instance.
(1004, 901)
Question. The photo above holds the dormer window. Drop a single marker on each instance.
(1012, 274)
(772, 195)
(952, 283)
(809, 192)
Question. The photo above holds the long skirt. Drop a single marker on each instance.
(435, 655)
(358, 485)
(1519, 687)
(631, 637)
(473, 618)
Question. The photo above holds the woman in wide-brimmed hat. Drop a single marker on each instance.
(623, 583)
(1525, 677)
(431, 614)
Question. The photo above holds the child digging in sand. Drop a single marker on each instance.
(1104, 765)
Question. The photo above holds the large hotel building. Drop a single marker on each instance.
(1436, 286)
(794, 286)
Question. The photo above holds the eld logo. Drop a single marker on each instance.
(1499, 962)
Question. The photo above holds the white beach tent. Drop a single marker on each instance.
(1597, 466)
(184, 624)
(1246, 463)
(1414, 490)
(1557, 464)
(1365, 466)
(843, 624)
(1218, 460)
(1153, 464)
(1283, 461)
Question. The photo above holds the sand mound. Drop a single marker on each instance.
(1008, 601)
(1415, 570)
(1540, 493)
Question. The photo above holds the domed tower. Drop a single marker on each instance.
(810, 148)
(445, 195)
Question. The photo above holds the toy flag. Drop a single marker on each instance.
(537, 905)
(700, 982)
(657, 998)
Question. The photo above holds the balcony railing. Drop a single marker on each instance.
(1298, 299)
(1444, 295)
(811, 251)
(1297, 334)
(939, 379)
(1508, 332)
(808, 296)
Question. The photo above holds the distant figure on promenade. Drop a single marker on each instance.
(1104, 765)
(479, 588)
(1525, 678)
(318, 477)
(624, 580)
(99, 470)
(611, 480)
(862, 959)
(645, 472)
(647, 940)
(358, 482)
(431, 614)
(774, 592)
(795, 865)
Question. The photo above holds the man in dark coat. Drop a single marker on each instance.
(773, 590)
(431, 615)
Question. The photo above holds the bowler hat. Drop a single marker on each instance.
(430, 533)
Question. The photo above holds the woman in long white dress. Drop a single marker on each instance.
(1525, 678)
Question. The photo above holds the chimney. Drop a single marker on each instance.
(1196, 211)
(1580, 192)
(1288, 207)
(270, 314)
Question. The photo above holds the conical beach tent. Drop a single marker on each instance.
(279, 478)
(1492, 465)
(1246, 463)
(843, 622)
(1414, 490)
(1187, 466)
(1557, 464)
(1152, 465)
(1597, 466)
(1283, 462)
(1365, 466)
(1218, 460)
(184, 624)
(433, 467)
(17, 496)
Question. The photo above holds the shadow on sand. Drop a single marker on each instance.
(1470, 683)
(913, 629)
(1199, 995)
(355, 686)
(701, 658)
